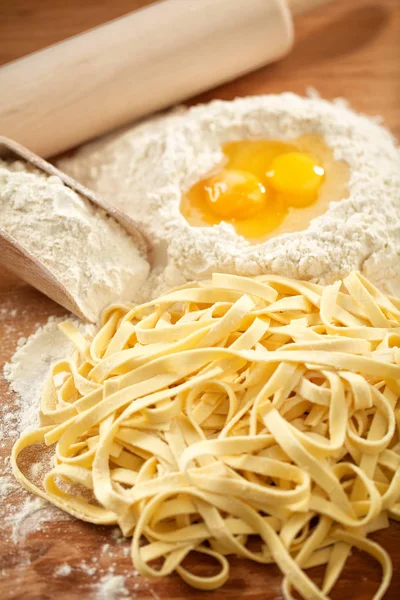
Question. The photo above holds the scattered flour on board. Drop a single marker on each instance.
(63, 570)
(30, 515)
(8, 485)
(29, 367)
(26, 374)
(111, 587)
(92, 255)
(6, 313)
(87, 568)
(145, 169)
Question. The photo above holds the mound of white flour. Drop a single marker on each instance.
(145, 169)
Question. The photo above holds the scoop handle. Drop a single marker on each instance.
(82, 87)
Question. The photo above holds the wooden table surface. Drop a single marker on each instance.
(349, 49)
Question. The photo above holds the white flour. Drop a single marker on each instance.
(27, 372)
(8, 486)
(144, 171)
(89, 252)
(111, 587)
(63, 570)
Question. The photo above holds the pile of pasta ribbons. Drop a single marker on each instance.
(229, 409)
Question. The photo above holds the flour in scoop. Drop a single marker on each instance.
(146, 169)
(89, 252)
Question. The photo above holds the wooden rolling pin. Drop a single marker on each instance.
(59, 97)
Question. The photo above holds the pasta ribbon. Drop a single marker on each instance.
(228, 409)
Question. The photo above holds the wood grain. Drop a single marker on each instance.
(348, 49)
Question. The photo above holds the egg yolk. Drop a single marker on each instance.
(235, 194)
(297, 176)
(257, 186)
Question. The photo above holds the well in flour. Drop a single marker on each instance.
(146, 169)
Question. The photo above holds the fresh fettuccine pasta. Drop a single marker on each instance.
(230, 409)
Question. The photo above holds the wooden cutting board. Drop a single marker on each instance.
(349, 49)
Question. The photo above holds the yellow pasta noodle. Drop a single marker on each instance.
(229, 409)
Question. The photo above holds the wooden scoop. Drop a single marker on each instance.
(24, 264)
